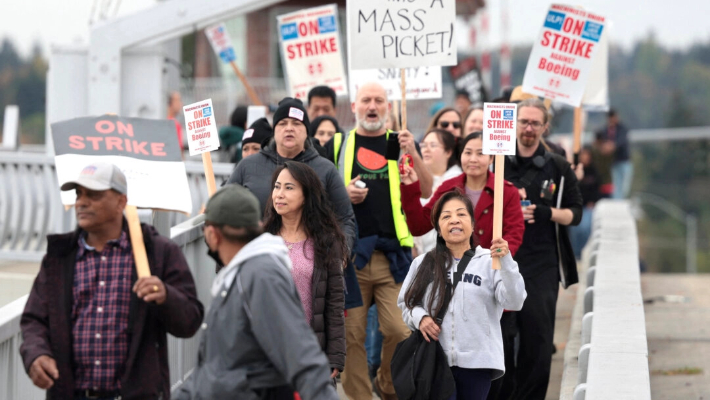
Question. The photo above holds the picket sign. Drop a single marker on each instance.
(202, 136)
(568, 62)
(144, 150)
(499, 133)
(222, 46)
(311, 50)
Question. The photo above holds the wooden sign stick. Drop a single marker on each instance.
(577, 143)
(209, 173)
(250, 90)
(498, 203)
(404, 99)
(139, 254)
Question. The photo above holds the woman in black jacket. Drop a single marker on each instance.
(299, 212)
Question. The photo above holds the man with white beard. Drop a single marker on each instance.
(368, 155)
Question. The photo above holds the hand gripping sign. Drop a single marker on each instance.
(500, 122)
(563, 55)
(311, 50)
(145, 150)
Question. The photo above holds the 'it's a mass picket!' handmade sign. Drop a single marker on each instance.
(401, 34)
(561, 58)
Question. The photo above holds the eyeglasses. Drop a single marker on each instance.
(526, 122)
(428, 145)
(445, 124)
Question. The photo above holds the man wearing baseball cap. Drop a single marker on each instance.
(256, 342)
(91, 329)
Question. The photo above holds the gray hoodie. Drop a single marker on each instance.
(255, 171)
(470, 332)
(255, 334)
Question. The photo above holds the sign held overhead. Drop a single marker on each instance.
(561, 58)
(311, 50)
(401, 34)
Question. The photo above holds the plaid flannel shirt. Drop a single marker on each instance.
(102, 293)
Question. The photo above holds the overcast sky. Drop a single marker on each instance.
(677, 23)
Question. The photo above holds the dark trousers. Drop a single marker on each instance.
(536, 325)
(471, 384)
(276, 393)
(502, 388)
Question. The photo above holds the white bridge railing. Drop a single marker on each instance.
(182, 353)
(610, 359)
(30, 207)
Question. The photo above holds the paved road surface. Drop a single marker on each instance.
(678, 331)
(16, 279)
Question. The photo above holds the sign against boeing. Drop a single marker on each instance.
(401, 33)
(310, 49)
(561, 59)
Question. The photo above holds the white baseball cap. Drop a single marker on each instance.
(99, 176)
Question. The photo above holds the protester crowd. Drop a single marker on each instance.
(333, 247)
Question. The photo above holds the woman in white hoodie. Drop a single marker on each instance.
(470, 331)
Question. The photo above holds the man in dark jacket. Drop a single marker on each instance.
(291, 142)
(256, 342)
(91, 329)
(545, 257)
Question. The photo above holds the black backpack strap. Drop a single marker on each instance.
(449, 291)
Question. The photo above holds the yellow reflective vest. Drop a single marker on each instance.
(344, 163)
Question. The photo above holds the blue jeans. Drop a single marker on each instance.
(579, 235)
(373, 340)
(622, 173)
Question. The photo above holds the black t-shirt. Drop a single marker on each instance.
(374, 215)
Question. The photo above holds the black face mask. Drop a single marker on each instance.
(214, 254)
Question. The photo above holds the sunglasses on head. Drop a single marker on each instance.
(445, 124)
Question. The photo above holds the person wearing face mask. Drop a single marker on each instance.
(299, 213)
(447, 119)
(468, 331)
(292, 143)
(439, 154)
(256, 342)
(473, 121)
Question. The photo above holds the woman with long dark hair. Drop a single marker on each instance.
(478, 183)
(299, 212)
(470, 332)
(441, 159)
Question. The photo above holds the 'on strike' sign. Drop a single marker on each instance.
(310, 49)
(201, 127)
(561, 58)
(499, 128)
(401, 34)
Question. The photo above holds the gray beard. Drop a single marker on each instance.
(372, 126)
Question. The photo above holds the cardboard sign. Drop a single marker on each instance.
(201, 127)
(563, 55)
(144, 149)
(500, 122)
(401, 34)
(310, 50)
(467, 77)
(422, 82)
(221, 44)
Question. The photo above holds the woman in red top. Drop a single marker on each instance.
(478, 183)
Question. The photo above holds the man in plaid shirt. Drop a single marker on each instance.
(91, 329)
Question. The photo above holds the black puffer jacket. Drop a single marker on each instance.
(328, 319)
